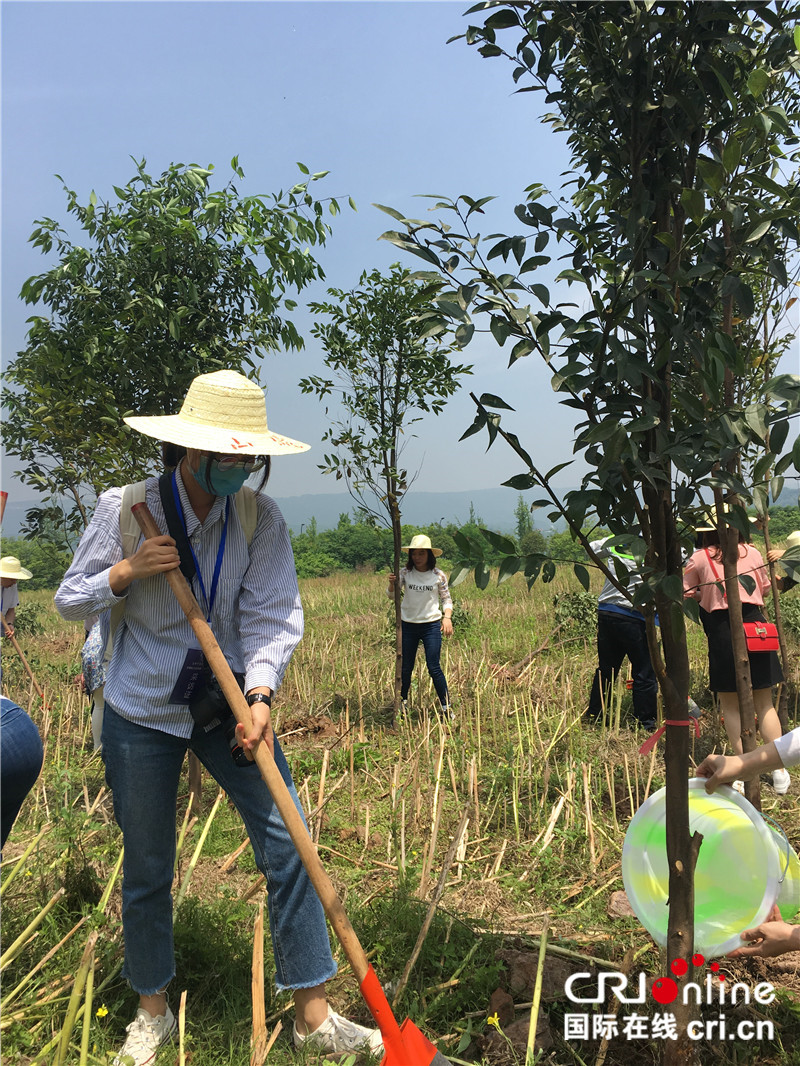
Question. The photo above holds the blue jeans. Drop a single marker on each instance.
(618, 636)
(21, 756)
(143, 768)
(430, 633)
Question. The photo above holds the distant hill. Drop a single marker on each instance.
(495, 508)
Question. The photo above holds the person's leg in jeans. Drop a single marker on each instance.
(143, 769)
(645, 685)
(610, 653)
(410, 643)
(432, 643)
(21, 755)
(300, 941)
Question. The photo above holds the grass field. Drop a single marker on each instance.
(547, 801)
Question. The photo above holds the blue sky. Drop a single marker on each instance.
(367, 90)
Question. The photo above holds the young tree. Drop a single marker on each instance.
(390, 366)
(522, 514)
(680, 117)
(173, 279)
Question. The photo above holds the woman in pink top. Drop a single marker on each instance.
(703, 580)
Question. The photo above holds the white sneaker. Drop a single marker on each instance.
(146, 1034)
(338, 1035)
(781, 781)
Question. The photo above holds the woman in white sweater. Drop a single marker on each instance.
(425, 613)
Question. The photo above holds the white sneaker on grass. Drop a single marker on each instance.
(781, 781)
(146, 1034)
(338, 1035)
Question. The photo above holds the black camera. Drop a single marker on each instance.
(209, 708)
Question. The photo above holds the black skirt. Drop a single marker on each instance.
(765, 666)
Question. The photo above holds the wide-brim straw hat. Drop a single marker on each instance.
(421, 542)
(223, 412)
(11, 567)
(793, 540)
(709, 520)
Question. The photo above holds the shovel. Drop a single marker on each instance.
(404, 1044)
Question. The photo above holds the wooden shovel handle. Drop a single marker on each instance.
(294, 823)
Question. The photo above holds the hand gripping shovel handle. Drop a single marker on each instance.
(332, 905)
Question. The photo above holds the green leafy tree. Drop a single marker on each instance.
(681, 120)
(170, 279)
(391, 364)
(522, 517)
(46, 561)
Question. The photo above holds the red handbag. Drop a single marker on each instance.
(761, 636)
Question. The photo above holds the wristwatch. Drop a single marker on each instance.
(259, 697)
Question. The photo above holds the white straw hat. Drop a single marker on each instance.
(11, 567)
(223, 412)
(421, 542)
(793, 540)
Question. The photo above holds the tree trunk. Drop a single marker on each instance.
(783, 693)
(397, 538)
(672, 671)
(729, 541)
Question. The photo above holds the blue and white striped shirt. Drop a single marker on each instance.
(257, 616)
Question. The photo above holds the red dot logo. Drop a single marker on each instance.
(679, 967)
(665, 990)
(698, 959)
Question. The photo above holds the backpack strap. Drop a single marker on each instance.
(130, 535)
(247, 510)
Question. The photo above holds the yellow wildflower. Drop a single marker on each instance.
(101, 1011)
(494, 1021)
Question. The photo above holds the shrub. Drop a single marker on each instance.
(576, 613)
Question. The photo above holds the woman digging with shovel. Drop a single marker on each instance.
(161, 699)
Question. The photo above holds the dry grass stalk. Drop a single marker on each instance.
(23, 857)
(87, 1015)
(198, 850)
(182, 1030)
(26, 980)
(537, 996)
(234, 855)
(102, 903)
(258, 1040)
(437, 895)
(587, 800)
(27, 933)
(317, 823)
(74, 999)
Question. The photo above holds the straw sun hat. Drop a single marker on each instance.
(421, 542)
(11, 567)
(793, 540)
(223, 412)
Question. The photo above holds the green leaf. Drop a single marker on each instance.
(521, 482)
(502, 544)
(548, 571)
(482, 575)
(778, 433)
(757, 232)
(797, 37)
(776, 487)
(757, 81)
(508, 567)
(582, 575)
(390, 211)
(672, 587)
(488, 399)
(303, 168)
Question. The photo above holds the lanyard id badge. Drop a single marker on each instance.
(190, 676)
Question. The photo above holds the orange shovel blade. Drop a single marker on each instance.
(404, 1044)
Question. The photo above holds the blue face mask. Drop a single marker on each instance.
(221, 480)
